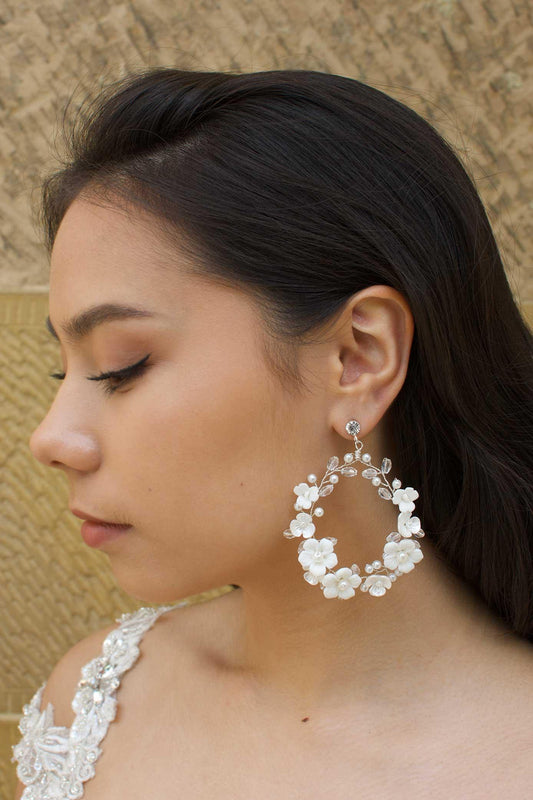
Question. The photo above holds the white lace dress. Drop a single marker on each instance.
(55, 761)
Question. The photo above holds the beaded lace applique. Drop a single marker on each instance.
(55, 761)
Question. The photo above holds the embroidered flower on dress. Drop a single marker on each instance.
(316, 555)
(307, 495)
(44, 744)
(340, 583)
(303, 525)
(402, 555)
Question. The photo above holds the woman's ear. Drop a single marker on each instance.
(371, 346)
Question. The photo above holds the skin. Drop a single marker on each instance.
(200, 455)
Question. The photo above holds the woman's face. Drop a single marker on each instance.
(200, 453)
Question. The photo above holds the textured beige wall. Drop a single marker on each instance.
(465, 66)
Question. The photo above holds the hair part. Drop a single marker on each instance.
(303, 188)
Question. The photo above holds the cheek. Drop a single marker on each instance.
(210, 455)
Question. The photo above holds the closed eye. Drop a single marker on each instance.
(121, 376)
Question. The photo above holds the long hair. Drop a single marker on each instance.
(302, 188)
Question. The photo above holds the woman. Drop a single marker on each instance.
(312, 294)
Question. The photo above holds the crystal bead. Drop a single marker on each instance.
(369, 473)
(385, 493)
(394, 537)
(353, 427)
(419, 534)
(325, 490)
(333, 462)
(386, 464)
(348, 471)
(289, 534)
(355, 568)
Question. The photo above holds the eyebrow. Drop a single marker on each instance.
(83, 323)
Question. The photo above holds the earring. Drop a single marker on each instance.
(400, 553)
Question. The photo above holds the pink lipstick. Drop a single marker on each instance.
(96, 533)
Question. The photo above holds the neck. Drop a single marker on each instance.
(290, 642)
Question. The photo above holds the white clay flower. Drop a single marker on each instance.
(307, 495)
(402, 555)
(302, 525)
(377, 585)
(317, 555)
(404, 498)
(341, 583)
(407, 525)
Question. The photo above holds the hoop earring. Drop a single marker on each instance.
(400, 553)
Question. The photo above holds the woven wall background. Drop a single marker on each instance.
(465, 66)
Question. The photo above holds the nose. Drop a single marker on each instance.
(57, 442)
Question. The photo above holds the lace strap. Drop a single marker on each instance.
(95, 703)
(55, 761)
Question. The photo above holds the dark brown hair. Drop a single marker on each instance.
(303, 188)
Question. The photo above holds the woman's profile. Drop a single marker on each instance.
(283, 315)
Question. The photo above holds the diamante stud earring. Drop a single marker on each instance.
(400, 553)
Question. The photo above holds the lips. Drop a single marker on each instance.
(90, 518)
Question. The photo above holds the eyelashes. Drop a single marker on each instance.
(115, 379)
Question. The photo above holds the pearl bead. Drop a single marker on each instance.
(369, 568)
(349, 457)
(311, 478)
(318, 512)
(376, 481)
(333, 478)
(366, 457)
(376, 564)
